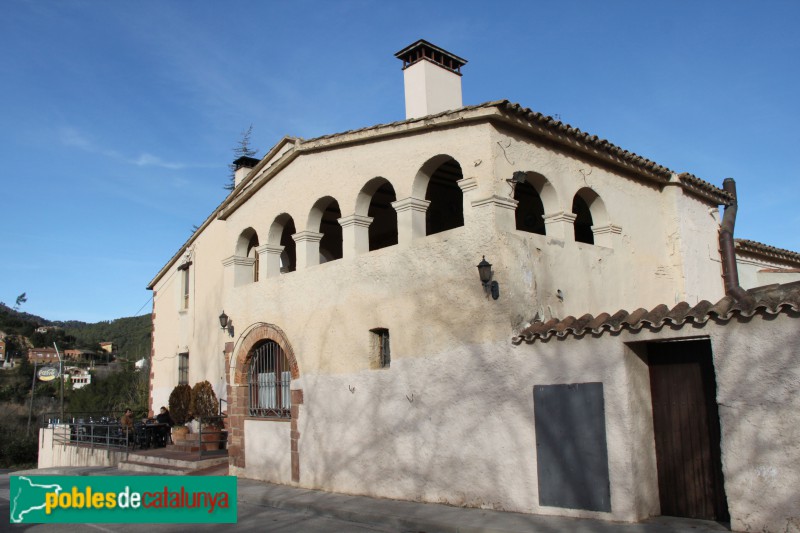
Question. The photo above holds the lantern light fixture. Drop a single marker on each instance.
(485, 273)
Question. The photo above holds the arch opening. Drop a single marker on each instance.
(530, 209)
(252, 253)
(281, 234)
(383, 229)
(583, 220)
(330, 246)
(446, 210)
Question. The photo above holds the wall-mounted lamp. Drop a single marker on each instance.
(485, 273)
(516, 178)
(226, 323)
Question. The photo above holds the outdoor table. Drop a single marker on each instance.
(153, 432)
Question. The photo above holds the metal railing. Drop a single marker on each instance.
(96, 430)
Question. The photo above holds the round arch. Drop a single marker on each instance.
(425, 172)
(367, 192)
(244, 242)
(238, 397)
(596, 205)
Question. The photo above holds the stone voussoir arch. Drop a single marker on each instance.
(258, 333)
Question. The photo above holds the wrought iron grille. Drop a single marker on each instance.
(269, 382)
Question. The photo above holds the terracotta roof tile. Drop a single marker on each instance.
(770, 299)
(764, 250)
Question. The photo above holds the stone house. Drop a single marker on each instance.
(361, 352)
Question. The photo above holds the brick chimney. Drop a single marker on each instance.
(432, 78)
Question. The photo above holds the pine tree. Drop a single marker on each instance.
(242, 149)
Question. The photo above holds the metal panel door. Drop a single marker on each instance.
(686, 427)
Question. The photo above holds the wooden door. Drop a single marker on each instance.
(686, 427)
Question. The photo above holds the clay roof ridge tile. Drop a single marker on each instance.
(615, 321)
(634, 319)
(677, 315)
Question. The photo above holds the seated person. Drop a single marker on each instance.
(164, 417)
(127, 422)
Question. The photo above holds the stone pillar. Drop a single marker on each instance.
(469, 188)
(238, 270)
(270, 260)
(410, 219)
(609, 235)
(497, 211)
(355, 235)
(307, 248)
(560, 226)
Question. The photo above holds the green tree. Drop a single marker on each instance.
(242, 149)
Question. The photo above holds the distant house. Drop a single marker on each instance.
(108, 347)
(45, 329)
(78, 355)
(79, 377)
(42, 355)
(2, 348)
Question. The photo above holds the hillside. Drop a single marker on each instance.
(131, 335)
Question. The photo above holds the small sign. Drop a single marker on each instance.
(47, 373)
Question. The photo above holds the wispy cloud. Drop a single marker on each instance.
(149, 160)
(71, 137)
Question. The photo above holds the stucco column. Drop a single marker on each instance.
(355, 235)
(270, 260)
(609, 235)
(560, 225)
(410, 219)
(469, 188)
(238, 270)
(307, 248)
(497, 211)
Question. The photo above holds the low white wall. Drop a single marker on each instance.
(59, 454)
(267, 451)
(457, 428)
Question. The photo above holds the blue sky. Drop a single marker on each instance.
(119, 119)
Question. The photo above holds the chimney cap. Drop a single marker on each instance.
(422, 49)
(245, 162)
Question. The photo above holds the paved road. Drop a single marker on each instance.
(280, 508)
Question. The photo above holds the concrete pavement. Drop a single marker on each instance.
(401, 516)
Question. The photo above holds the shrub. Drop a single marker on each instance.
(180, 400)
(204, 401)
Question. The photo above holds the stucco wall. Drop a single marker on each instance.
(458, 428)
(267, 451)
(755, 272)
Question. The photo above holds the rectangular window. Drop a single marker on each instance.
(186, 289)
(381, 354)
(185, 284)
(183, 368)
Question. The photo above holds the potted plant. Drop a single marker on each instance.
(204, 405)
(179, 401)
